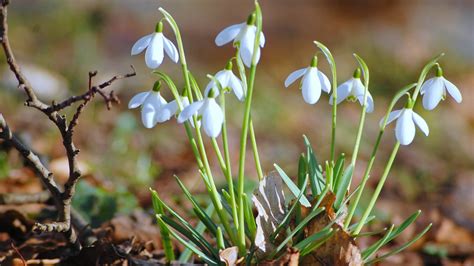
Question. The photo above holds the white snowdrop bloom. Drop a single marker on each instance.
(312, 83)
(227, 79)
(155, 109)
(210, 113)
(353, 90)
(156, 44)
(434, 90)
(405, 126)
(243, 33)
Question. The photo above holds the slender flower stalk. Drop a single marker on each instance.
(382, 180)
(332, 64)
(256, 156)
(244, 133)
(215, 197)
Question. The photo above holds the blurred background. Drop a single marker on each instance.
(59, 42)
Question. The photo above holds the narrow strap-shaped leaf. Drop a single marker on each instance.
(312, 238)
(164, 232)
(293, 188)
(187, 244)
(315, 172)
(251, 226)
(200, 228)
(338, 171)
(202, 215)
(343, 186)
(192, 236)
(297, 229)
(287, 217)
(365, 234)
(314, 245)
(369, 219)
(377, 245)
(401, 248)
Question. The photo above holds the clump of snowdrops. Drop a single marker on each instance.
(315, 222)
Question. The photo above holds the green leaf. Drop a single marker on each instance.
(293, 188)
(200, 228)
(187, 244)
(377, 245)
(313, 238)
(338, 170)
(369, 219)
(251, 226)
(200, 213)
(343, 186)
(286, 219)
(401, 248)
(164, 232)
(316, 178)
(297, 229)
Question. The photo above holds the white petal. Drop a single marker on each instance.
(236, 85)
(150, 107)
(137, 100)
(212, 118)
(294, 76)
(262, 39)
(170, 49)
(392, 116)
(167, 111)
(154, 52)
(211, 85)
(228, 34)
(421, 123)
(247, 45)
(223, 77)
(433, 94)
(343, 91)
(141, 44)
(311, 87)
(453, 90)
(370, 102)
(325, 84)
(426, 85)
(189, 111)
(405, 128)
(358, 88)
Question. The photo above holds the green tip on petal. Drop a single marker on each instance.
(157, 86)
(314, 61)
(159, 27)
(251, 19)
(439, 71)
(229, 65)
(357, 73)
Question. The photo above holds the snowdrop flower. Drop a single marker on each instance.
(312, 83)
(353, 90)
(434, 90)
(243, 33)
(405, 127)
(156, 44)
(155, 109)
(210, 112)
(227, 79)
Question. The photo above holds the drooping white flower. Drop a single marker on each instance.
(210, 113)
(155, 109)
(227, 79)
(243, 33)
(312, 83)
(353, 90)
(434, 90)
(405, 126)
(156, 44)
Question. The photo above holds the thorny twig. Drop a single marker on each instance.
(61, 198)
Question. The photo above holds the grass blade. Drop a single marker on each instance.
(293, 188)
(343, 186)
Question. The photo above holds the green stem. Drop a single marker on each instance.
(243, 136)
(222, 163)
(256, 156)
(364, 181)
(378, 189)
(228, 174)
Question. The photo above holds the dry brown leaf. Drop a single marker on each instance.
(230, 256)
(340, 249)
(270, 203)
